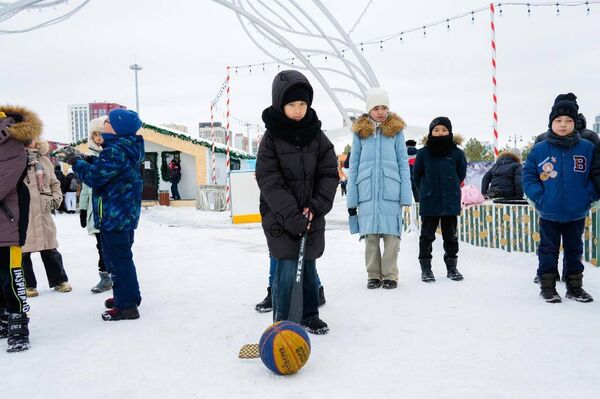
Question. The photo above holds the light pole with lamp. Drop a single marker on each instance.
(136, 68)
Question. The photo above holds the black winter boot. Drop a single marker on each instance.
(548, 288)
(322, 300)
(266, 305)
(3, 323)
(389, 284)
(315, 326)
(373, 283)
(426, 273)
(453, 273)
(115, 314)
(18, 332)
(575, 290)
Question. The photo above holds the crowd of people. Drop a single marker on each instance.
(297, 174)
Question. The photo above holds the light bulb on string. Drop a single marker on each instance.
(557, 10)
(343, 56)
(263, 67)
(448, 24)
(424, 32)
(236, 70)
(587, 4)
(528, 10)
(362, 47)
(308, 58)
(278, 66)
(292, 61)
(381, 45)
(325, 58)
(472, 17)
(500, 8)
(401, 39)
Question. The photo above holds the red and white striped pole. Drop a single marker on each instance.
(494, 82)
(227, 138)
(212, 135)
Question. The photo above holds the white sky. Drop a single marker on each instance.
(185, 45)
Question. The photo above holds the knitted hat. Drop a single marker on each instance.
(124, 122)
(516, 152)
(411, 143)
(376, 96)
(441, 120)
(564, 105)
(298, 92)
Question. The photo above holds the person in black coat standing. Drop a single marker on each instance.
(503, 180)
(296, 171)
(440, 169)
(175, 178)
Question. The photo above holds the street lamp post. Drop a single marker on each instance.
(136, 68)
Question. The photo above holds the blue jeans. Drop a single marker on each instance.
(273, 267)
(550, 235)
(118, 259)
(175, 191)
(282, 289)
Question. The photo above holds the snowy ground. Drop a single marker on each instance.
(489, 336)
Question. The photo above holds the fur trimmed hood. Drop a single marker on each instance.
(27, 126)
(43, 147)
(508, 154)
(364, 126)
(457, 138)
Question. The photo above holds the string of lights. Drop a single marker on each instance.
(401, 35)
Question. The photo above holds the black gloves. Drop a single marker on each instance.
(83, 217)
(70, 155)
(351, 211)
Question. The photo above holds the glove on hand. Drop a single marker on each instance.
(70, 155)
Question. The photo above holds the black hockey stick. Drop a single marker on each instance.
(252, 351)
(295, 313)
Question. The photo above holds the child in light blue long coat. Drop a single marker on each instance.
(378, 187)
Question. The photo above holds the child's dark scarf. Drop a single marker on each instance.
(563, 141)
(296, 133)
(440, 145)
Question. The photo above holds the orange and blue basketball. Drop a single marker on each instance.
(284, 347)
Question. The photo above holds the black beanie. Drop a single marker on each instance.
(441, 120)
(564, 104)
(297, 93)
(411, 143)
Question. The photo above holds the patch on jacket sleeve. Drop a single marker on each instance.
(579, 163)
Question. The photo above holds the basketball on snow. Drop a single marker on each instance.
(284, 347)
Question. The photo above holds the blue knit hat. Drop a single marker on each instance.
(124, 122)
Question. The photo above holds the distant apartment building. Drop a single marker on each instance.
(597, 125)
(175, 126)
(206, 132)
(81, 114)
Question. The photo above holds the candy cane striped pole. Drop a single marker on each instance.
(212, 135)
(494, 82)
(227, 138)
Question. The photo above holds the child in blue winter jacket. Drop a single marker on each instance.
(557, 178)
(116, 181)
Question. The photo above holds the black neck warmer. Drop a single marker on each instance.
(296, 133)
(440, 145)
(563, 141)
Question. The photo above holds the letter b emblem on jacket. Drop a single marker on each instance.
(580, 163)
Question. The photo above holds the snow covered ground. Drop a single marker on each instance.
(489, 336)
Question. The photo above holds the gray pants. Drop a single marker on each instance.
(382, 267)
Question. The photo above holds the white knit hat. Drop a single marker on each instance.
(376, 96)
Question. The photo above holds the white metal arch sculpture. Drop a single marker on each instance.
(282, 25)
(9, 10)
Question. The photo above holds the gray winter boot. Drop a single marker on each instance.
(104, 284)
(18, 332)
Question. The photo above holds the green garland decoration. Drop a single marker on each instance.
(165, 172)
(233, 153)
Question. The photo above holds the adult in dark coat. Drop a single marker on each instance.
(296, 171)
(61, 178)
(17, 126)
(175, 178)
(503, 180)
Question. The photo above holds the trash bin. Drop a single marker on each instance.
(163, 197)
